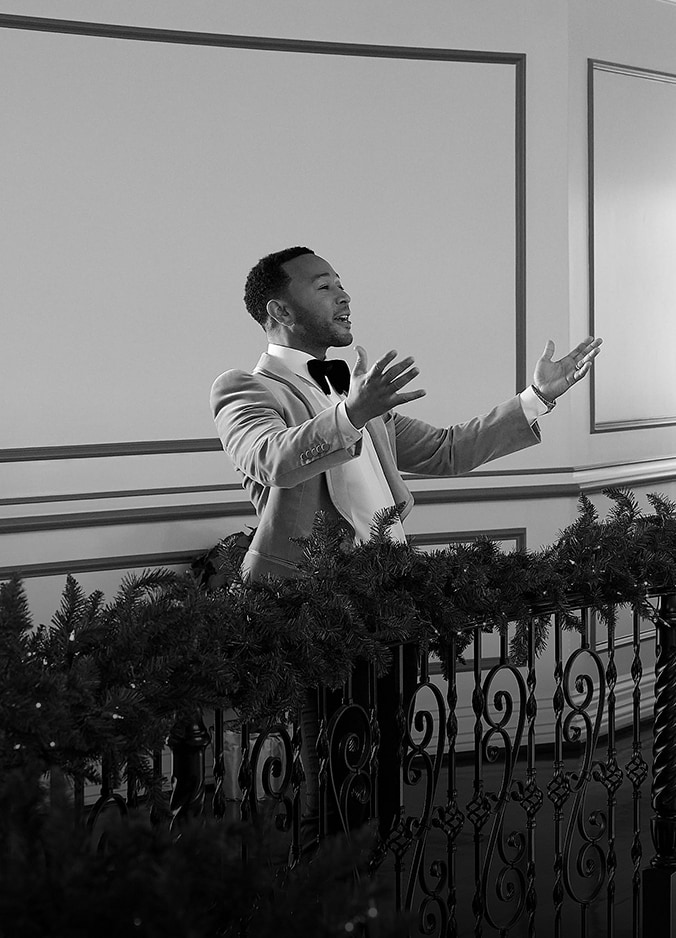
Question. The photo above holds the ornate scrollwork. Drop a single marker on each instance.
(349, 742)
(423, 768)
(506, 850)
(270, 772)
(583, 865)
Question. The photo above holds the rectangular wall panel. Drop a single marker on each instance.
(142, 180)
(633, 245)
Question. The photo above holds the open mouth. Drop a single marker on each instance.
(344, 319)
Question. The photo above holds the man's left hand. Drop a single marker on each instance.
(554, 378)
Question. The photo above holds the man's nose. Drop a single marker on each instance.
(344, 296)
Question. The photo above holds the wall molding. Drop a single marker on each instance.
(584, 478)
(462, 537)
(298, 46)
(122, 493)
(264, 43)
(30, 571)
(594, 66)
(587, 481)
(148, 515)
(98, 450)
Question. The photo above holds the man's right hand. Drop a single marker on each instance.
(375, 390)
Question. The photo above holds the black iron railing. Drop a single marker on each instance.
(507, 800)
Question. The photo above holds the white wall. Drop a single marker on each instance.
(109, 512)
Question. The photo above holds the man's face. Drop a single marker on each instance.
(319, 308)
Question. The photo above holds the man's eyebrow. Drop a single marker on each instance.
(327, 273)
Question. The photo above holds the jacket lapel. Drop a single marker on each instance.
(383, 447)
(272, 367)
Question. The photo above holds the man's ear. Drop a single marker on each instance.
(278, 311)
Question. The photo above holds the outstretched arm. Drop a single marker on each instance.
(554, 378)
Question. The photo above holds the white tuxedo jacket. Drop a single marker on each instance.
(289, 453)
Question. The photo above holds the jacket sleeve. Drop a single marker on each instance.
(259, 435)
(428, 450)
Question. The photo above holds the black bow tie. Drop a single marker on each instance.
(336, 370)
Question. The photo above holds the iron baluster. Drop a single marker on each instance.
(659, 880)
(450, 818)
(244, 773)
(78, 795)
(218, 801)
(421, 767)
(297, 780)
(270, 777)
(530, 795)
(609, 773)
(323, 755)
(157, 804)
(398, 841)
(509, 850)
(374, 732)
(188, 741)
(590, 860)
(108, 798)
(637, 772)
(349, 759)
(478, 808)
(558, 790)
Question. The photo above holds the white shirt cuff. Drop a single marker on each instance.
(532, 406)
(347, 429)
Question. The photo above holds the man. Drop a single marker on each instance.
(304, 443)
(301, 448)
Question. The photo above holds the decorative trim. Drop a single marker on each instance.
(260, 43)
(174, 513)
(520, 224)
(612, 426)
(497, 494)
(98, 450)
(519, 535)
(30, 571)
(590, 230)
(121, 493)
(598, 479)
(97, 519)
(595, 65)
(641, 472)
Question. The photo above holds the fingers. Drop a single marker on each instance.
(383, 382)
(399, 374)
(409, 396)
(583, 356)
(588, 347)
(383, 362)
(360, 366)
(549, 351)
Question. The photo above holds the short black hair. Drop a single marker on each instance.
(266, 280)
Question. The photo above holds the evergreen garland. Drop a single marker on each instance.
(107, 681)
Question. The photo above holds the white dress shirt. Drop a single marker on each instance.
(362, 481)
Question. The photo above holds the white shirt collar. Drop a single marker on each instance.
(293, 358)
